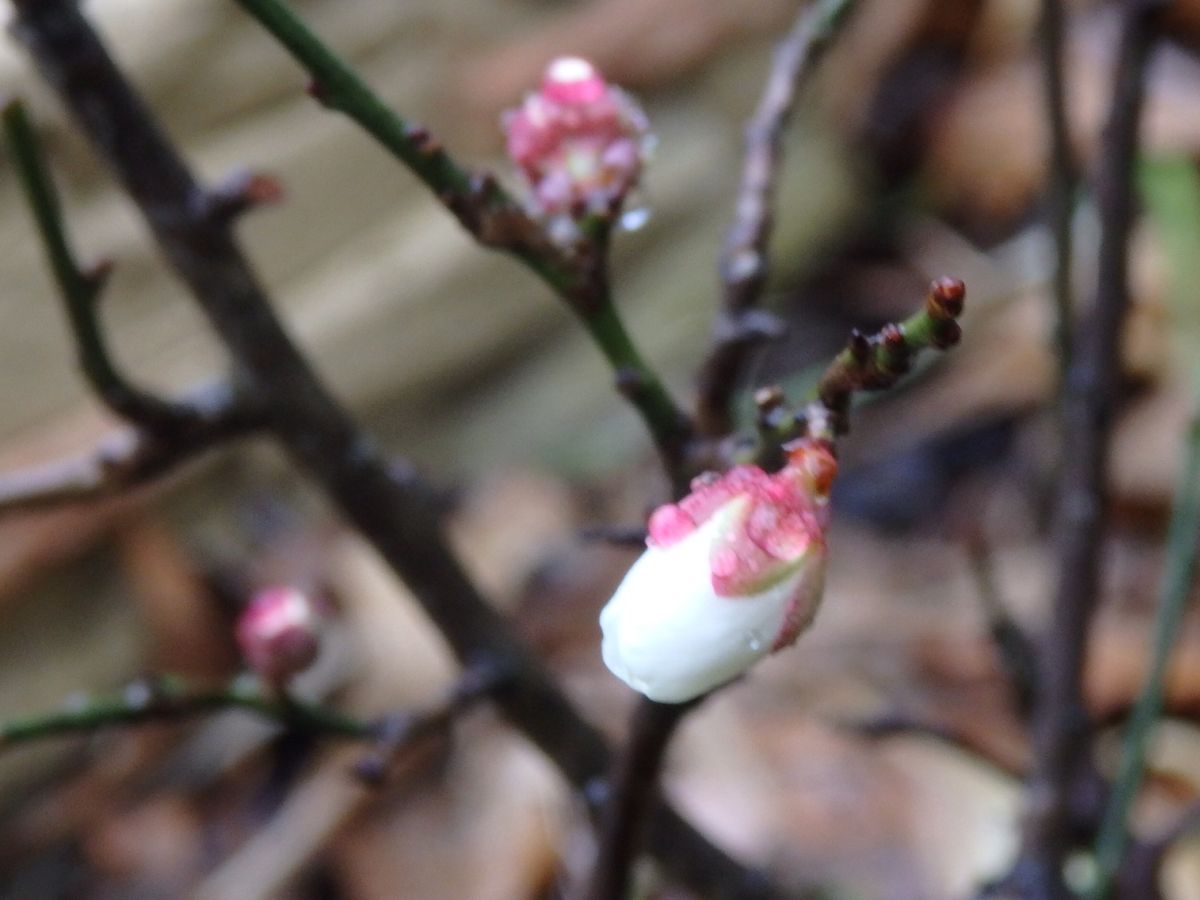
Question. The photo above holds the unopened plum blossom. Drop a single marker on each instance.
(277, 633)
(731, 573)
(579, 142)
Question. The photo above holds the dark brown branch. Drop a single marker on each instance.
(740, 327)
(1061, 732)
(394, 515)
(80, 288)
(1061, 188)
(1016, 650)
(399, 733)
(632, 794)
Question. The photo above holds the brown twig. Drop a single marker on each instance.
(898, 724)
(1061, 732)
(394, 515)
(740, 326)
(397, 734)
(632, 795)
(129, 458)
(1017, 653)
(1060, 195)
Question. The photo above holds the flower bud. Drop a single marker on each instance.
(579, 142)
(731, 573)
(277, 633)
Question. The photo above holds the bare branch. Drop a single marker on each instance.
(166, 698)
(897, 724)
(397, 734)
(1062, 736)
(1063, 178)
(631, 796)
(1017, 653)
(740, 327)
(80, 289)
(131, 457)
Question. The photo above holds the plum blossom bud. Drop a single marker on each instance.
(732, 572)
(277, 633)
(579, 142)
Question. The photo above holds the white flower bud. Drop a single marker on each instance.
(732, 572)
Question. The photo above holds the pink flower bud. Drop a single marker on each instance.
(731, 573)
(277, 633)
(579, 142)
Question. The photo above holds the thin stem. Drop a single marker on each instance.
(869, 363)
(496, 220)
(1017, 653)
(1061, 732)
(169, 698)
(745, 259)
(395, 734)
(80, 290)
(1183, 541)
(632, 796)
(1063, 178)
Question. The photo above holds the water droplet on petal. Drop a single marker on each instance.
(634, 219)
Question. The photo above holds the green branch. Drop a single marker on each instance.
(869, 363)
(80, 289)
(1183, 537)
(167, 698)
(495, 219)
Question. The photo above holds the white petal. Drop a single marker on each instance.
(669, 636)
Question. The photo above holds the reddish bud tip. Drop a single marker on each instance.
(947, 296)
(892, 337)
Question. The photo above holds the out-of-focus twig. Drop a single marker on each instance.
(396, 734)
(898, 724)
(1060, 195)
(166, 698)
(617, 535)
(164, 433)
(740, 326)
(631, 796)
(80, 289)
(1183, 538)
(1017, 652)
(131, 457)
(1061, 732)
(579, 275)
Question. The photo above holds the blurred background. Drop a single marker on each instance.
(918, 151)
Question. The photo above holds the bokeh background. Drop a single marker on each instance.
(918, 151)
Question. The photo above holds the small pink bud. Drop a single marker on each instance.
(732, 572)
(277, 633)
(579, 142)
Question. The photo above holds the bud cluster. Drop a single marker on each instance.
(579, 142)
